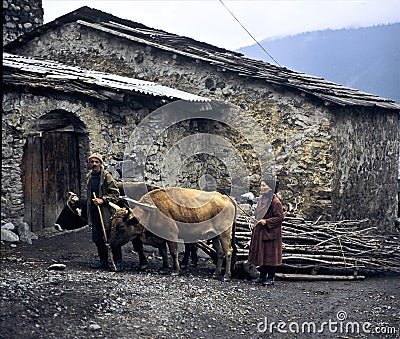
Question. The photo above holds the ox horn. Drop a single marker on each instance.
(142, 205)
(114, 206)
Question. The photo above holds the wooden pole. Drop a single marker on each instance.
(105, 236)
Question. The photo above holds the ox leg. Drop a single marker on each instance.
(185, 259)
(220, 257)
(162, 249)
(173, 251)
(190, 251)
(227, 249)
(138, 247)
(193, 254)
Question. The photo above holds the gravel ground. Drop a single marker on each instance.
(79, 302)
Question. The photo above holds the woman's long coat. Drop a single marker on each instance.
(266, 240)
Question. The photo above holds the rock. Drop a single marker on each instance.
(94, 327)
(8, 226)
(24, 233)
(57, 267)
(10, 236)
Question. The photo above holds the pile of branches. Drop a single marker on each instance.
(334, 246)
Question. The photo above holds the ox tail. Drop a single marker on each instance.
(233, 237)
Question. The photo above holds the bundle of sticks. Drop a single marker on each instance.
(314, 245)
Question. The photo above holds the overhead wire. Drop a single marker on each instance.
(247, 31)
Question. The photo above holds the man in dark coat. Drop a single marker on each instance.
(100, 183)
(266, 239)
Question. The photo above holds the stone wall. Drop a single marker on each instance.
(365, 175)
(306, 136)
(19, 17)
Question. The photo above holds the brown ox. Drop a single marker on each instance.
(165, 215)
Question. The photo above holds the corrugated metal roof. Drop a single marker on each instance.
(54, 72)
(225, 59)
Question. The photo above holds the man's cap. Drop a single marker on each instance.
(97, 156)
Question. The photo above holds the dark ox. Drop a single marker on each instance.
(73, 215)
(163, 216)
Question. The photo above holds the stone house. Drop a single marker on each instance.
(335, 149)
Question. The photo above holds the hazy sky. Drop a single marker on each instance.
(209, 21)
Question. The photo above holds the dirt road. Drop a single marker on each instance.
(79, 302)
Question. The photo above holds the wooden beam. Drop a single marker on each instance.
(317, 277)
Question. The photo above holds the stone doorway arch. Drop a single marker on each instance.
(51, 166)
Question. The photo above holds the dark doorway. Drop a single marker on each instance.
(51, 168)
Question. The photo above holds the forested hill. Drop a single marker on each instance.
(367, 59)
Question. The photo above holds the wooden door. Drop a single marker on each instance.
(50, 169)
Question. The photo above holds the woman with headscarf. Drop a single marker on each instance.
(266, 239)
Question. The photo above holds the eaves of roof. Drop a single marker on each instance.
(45, 73)
(325, 90)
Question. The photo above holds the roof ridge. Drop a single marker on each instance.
(229, 60)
